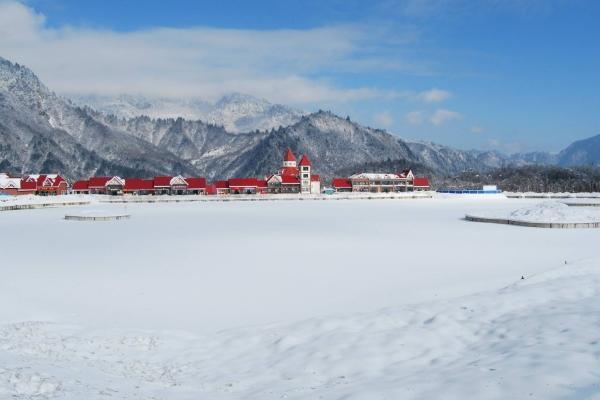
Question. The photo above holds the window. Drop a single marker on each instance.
(305, 176)
(304, 168)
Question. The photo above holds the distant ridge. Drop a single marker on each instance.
(43, 132)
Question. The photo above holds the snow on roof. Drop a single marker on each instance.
(7, 183)
(178, 180)
(375, 176)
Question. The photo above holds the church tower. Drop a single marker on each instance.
(289, 160)
(305, 174)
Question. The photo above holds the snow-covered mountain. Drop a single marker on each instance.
(40, 131)
(235, 112)
(581, 152)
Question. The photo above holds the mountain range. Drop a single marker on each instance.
(236, 112)
(238, 135)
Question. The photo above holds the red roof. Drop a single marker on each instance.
(138, 184)
(289, 156)
(342, 183)
(81, 185)
(243, 182)
(98, 181)
(28, 184)
(196, 183)
(261, 183)
(304, 161)
(289, 180)
(315, 178)
(221, 184)
(40, 180)
(289, 171)
(162, 181)
(421, 182)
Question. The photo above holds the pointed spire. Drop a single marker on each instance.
(289, 156)
(304, 161)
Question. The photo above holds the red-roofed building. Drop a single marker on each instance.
(196, 185)
(342, 184)
(420, 183)
(10, 185)
(45, 184)
(97, 184)
(293, 178)
(404, 181)
(211, 189)
(162, 184)
(81, 187)
(222, 187)
(243, 185)
(139, 186)
(289, 157)
(28, 186)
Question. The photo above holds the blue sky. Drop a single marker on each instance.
(508, 75)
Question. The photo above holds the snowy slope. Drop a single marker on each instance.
(235, 112)
(205, 301)
(42, 132)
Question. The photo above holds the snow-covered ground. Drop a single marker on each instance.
(351, 299)
(546, 212)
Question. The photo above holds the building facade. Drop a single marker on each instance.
(404, 181)
(40, 184)
(294, 177)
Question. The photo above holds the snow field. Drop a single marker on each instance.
(333, 300)
(548, 212)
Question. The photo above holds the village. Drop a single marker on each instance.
(294, 177)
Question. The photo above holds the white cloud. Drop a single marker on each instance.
(280, 65)
(384, 119)
(441, 116)
(434, 96)
(415, 117)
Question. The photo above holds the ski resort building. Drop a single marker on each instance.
(404, 181)
(294, 177)
(167, 185)
(42, 184)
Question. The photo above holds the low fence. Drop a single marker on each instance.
(97, 217)
(262, 197)
(32, 206)
(556, 225)
(532, 195)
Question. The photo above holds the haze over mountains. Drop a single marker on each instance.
(236, 136)
(236, 112)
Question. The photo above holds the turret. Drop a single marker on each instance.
(305, 174)
(289, 160)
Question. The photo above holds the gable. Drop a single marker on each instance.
(178, 181)
(115, 181)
